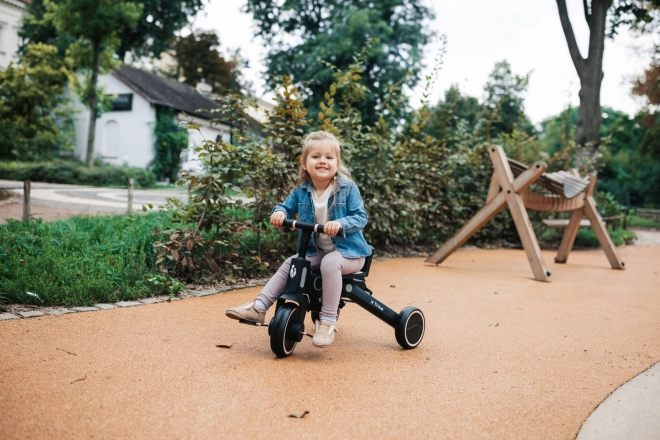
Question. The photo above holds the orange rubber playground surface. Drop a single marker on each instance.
(503, 356)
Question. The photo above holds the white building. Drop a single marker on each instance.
(125, 135)
(11, 13)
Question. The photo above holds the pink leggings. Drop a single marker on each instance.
(333, 266)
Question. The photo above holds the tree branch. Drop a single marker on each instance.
(573, 49)
(587, 14)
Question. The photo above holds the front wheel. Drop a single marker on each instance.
(282, 342)
(410, 328)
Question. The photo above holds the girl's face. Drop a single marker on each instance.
(321, 163)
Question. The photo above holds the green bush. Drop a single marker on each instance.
(586, 238)
(81, 261)
(74, 172)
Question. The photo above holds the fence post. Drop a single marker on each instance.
(130, 195)
(189, 193)
(26, 199)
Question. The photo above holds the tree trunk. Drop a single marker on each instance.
(589, 70)
(93, 102)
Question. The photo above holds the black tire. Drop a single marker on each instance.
(410, 329)
(279, 328)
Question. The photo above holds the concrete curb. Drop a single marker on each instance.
(124, 304)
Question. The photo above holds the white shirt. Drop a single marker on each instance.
(321, 216)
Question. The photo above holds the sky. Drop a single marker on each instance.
(479, 33)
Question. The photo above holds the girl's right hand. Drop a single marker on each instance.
(277, 218)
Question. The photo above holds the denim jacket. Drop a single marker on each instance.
(348, 209)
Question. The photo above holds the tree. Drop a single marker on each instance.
(198, 59)
(36, 28)
(590, 69)
(156, 27)
(154, 32)
(302, 34)
(649, 87)
(623, 171)
(505, 97)
(95, 25)
(31, 100)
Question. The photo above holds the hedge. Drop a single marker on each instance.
(73, 172)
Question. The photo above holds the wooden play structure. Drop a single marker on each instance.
(508, 187)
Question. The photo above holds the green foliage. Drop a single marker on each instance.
(158, 22)
(80, 261)
(31, 103)
(624, 171)
(586, 238)
(198, 59)
(504, 104)
(607, 204)
(74, 172)
(639, 222)
(171, 140)
(333, 31)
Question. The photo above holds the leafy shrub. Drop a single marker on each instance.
(74, 172)
(586, 237)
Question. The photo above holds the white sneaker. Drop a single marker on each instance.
(324, 335)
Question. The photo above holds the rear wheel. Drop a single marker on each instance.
(410, 329)
(282, 341)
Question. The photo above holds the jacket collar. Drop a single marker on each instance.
(342, 182)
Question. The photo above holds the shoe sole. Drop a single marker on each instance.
(322, 345)
(234, 315)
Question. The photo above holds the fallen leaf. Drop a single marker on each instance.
(428, 301)
(79, 380)
(75, 354)
(495, 293)
(495, 325)
(392, 285)
(299, 415)
(224, 345)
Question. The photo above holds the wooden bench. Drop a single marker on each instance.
(563, 223)
(509, 187)
(584, 223)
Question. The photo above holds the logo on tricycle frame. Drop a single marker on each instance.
(292, 272)
(375, 304)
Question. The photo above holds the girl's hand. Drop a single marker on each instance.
(277, 218)
(331, 228)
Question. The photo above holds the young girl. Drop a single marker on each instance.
(325, 195)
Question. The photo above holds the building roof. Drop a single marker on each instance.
(173, 94)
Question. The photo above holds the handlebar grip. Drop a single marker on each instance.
(302, 225)
(306, 226)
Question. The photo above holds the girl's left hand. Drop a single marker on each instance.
(331, 228)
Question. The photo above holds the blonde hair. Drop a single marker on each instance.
(314, 138)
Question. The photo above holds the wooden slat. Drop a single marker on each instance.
(562, 183)
(551, 203)
(559, 223)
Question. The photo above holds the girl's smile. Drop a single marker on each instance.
(321, 164)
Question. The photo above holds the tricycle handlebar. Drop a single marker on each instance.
(304, 226)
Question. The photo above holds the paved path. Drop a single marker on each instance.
(504, 356)
(631, 412)
(92, 199)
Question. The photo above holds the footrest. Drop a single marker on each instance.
(247, 321)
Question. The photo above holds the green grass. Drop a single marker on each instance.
(636, 221)
(81, 261)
